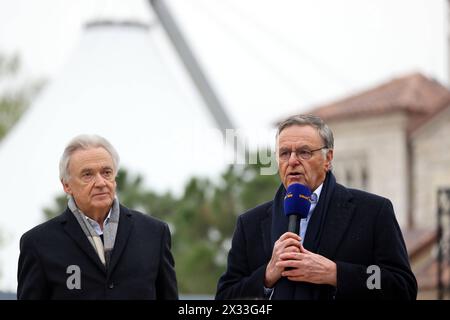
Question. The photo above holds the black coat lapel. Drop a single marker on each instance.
(123, 233)
(319, 215)
(73, 229)
(338, 217)
(279, 220)
(266, 224)
(338, 220)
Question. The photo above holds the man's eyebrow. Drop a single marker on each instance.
(303, 147)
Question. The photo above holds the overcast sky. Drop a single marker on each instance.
(264, 58)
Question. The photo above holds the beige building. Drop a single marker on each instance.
(394, 140)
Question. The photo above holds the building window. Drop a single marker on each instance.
(352, 170)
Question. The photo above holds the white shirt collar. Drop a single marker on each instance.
(315, 195)
(96, 225)
(317, 192)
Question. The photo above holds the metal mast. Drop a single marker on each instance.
(192, 66)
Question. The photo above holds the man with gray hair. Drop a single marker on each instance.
(97, 248)
(349, 247)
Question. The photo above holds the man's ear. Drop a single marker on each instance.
(66, 187)
(329, 159)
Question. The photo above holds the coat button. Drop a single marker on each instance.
(111, 285)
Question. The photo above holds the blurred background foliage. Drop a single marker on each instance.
(16, 92)
(201, 220)
(16, 95)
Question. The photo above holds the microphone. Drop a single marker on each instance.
(296, 205)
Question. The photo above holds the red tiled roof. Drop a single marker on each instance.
(416, 94)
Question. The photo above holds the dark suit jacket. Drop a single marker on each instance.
(360, 229)
(142, 266)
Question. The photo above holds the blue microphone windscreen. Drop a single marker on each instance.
(297, 200)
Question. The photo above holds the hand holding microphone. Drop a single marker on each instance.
(303, 265)
(296, 207)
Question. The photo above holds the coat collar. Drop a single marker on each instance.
(266, 224)
(123, 234)
(338, 220)
(73, 229)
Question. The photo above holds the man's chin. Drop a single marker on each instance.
(102, 203)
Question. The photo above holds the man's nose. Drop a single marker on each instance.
(293, 159)
(99, 180)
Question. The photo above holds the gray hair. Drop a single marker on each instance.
(310, 120)
(84, 142)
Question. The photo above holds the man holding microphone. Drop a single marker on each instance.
(344, 233)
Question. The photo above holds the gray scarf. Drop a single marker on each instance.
(103, 249)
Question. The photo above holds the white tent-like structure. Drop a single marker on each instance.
(117, 84)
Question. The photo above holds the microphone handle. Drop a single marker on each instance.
(293, 226)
